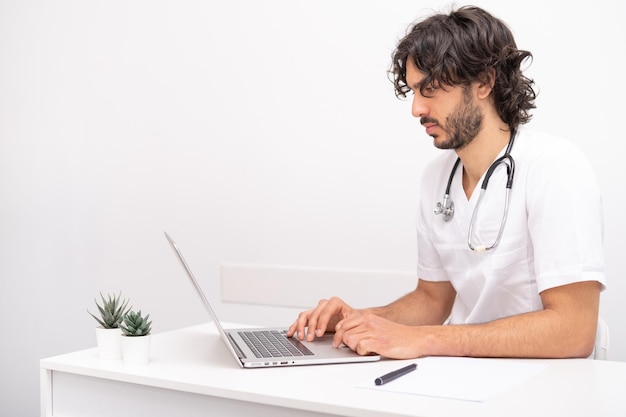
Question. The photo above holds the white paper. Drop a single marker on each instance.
(468, 379)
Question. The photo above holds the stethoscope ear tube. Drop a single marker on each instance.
(507, 160)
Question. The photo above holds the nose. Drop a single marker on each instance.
(418, 108)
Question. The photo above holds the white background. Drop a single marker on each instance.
(253, 131)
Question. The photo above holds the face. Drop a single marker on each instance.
(451, 116)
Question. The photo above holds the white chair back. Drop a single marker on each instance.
(601, 349)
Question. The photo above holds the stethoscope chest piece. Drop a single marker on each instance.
(445, 208)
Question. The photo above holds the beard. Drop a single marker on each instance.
(462, 125)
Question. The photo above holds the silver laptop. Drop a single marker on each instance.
(265, 347)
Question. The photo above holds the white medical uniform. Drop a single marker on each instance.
(552, 237)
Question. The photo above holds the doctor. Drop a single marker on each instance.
(510, 268)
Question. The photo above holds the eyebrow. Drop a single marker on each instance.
(417, 86)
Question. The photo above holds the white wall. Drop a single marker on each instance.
(261, 132)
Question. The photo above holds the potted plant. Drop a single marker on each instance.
(136, 338)
(112, 311)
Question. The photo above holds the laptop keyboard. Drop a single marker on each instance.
(273, 344)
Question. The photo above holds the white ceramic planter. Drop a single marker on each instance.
(136, 349)
(109, 343)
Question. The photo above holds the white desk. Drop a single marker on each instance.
(192, 374)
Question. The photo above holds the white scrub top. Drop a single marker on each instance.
(552, 237)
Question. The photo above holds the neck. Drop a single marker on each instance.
(479, 154)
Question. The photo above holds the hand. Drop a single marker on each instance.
(367, 333)
(314, 323)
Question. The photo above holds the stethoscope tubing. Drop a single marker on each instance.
(446, 207)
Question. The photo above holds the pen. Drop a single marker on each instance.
(395, 374)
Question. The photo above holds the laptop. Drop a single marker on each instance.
(269, 347)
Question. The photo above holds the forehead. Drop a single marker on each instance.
(414, 76)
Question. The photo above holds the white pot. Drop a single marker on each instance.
(136, 349)
(109, 343)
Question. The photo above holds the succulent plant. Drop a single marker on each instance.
(135, 324)
(112, 311)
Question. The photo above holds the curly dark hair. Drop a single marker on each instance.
(464, 46)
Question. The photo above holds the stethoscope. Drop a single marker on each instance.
(446, 207)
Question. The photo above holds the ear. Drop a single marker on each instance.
(486, 81)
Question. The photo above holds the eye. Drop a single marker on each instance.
(428, 91)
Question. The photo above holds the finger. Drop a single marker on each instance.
(327, 314)
(292, 329)
(355, 330)
(364, 347)
(313, 328)
(298, 328)
(338, 337)
(343, 329)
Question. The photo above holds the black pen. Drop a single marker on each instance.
(395, 374)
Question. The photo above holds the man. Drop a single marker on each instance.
(498, 277)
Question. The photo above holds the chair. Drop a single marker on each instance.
(601, 349)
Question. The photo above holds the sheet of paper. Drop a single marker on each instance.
(468, 379)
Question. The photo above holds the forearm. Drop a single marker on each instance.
(566, 327)
(532, 335)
